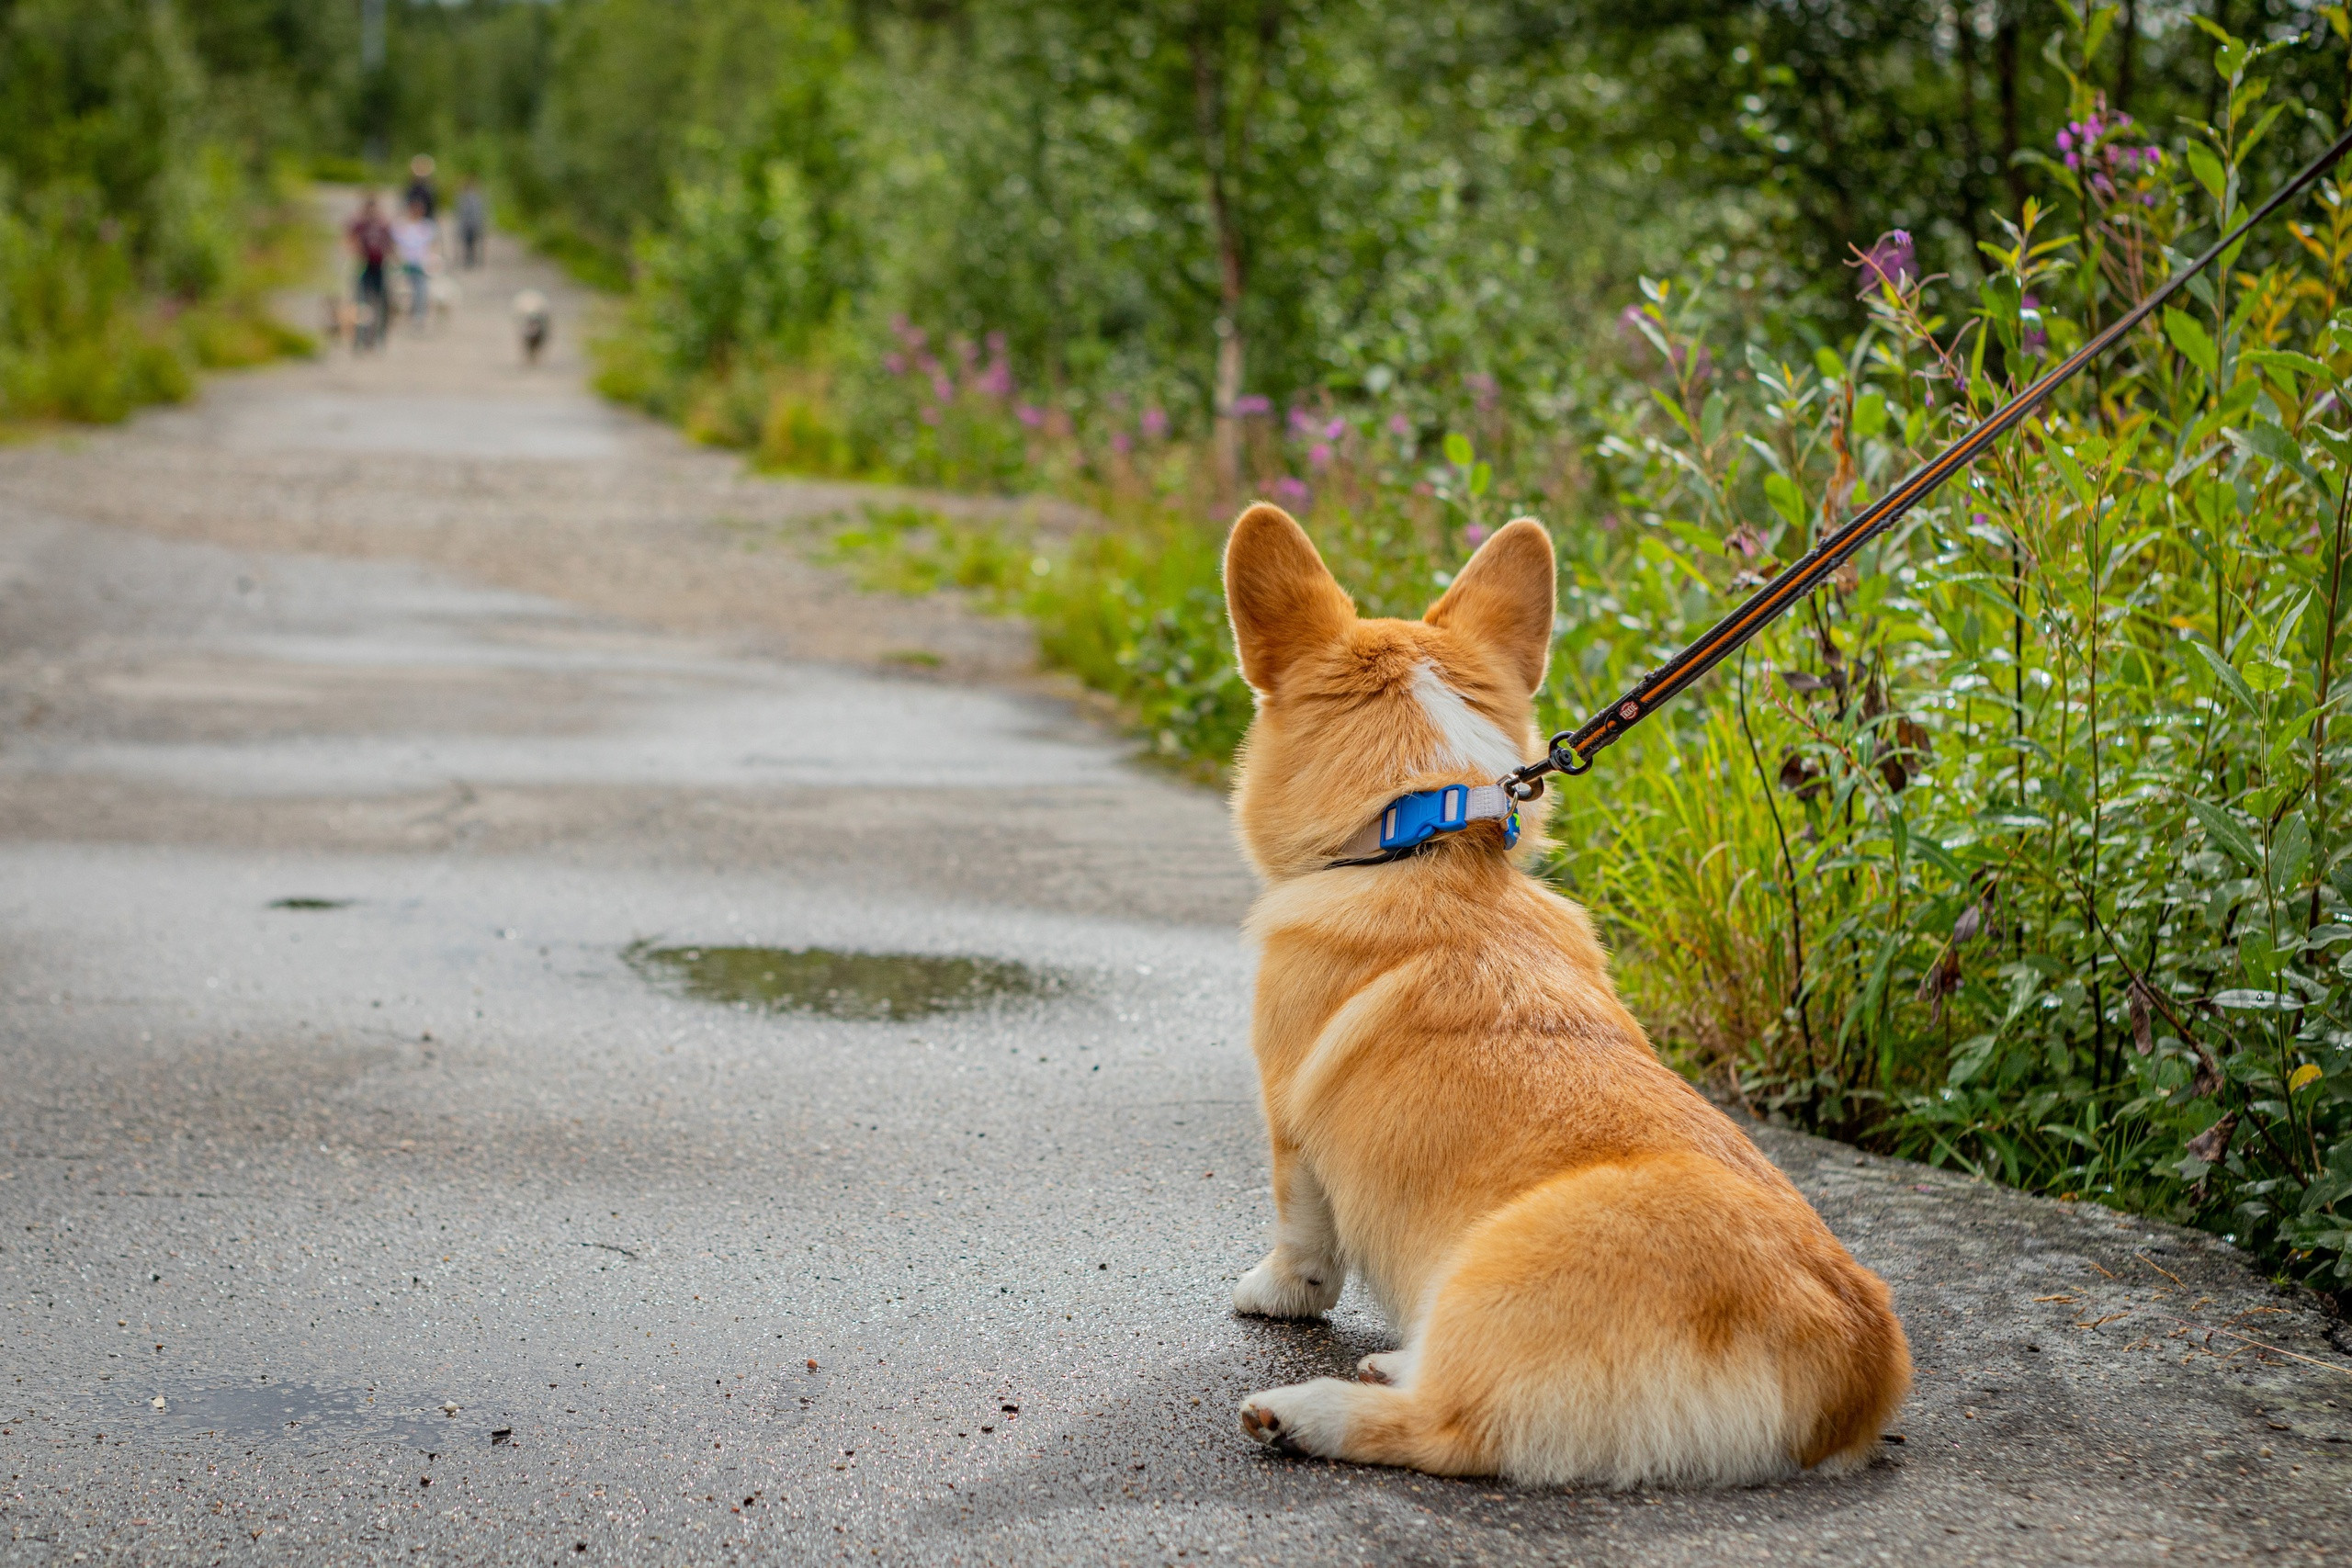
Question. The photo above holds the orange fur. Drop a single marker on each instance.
(1593, 1274)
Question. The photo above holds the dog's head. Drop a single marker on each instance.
(1352, 713)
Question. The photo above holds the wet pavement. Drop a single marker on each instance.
(529, 1034)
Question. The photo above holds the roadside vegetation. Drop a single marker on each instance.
(2024, 848)
(149, 202)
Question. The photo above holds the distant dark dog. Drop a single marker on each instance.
(533, 321)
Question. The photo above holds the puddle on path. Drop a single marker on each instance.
(839, 985)
(297, 1412)
(309, 903)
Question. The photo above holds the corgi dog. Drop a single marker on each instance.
(1593, 1274)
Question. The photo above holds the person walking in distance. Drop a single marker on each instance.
(420, 185)
(473, 219)
(413, 237)
(370, 239)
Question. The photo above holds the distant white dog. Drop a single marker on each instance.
(445, 294)
(534, 322)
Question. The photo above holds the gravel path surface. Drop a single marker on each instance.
(452, 1111)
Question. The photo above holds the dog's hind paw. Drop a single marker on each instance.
(1389, 1367)
(1261, 1424)
(1305, 1420)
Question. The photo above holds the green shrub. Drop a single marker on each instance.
(2026, 846)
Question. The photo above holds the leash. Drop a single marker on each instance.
(1572, 751)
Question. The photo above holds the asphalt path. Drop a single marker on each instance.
(421, 785)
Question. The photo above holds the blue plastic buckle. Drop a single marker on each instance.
(1414, 818)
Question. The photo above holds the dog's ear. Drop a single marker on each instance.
(1504, 599)
(1281, 599)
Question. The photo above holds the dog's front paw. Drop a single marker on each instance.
(1307, 1419)
(1274, 1289)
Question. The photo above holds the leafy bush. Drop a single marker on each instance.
(135, 243)
(2025, 846)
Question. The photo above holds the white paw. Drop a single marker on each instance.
(1276, 1290)
(1391, 1366)
(1307, 1418)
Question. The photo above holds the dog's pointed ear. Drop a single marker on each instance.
(1504, 599)
(1281, 599)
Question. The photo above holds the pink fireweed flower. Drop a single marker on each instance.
(896, 364)
(1399, 426)
(1890, 262)
(930, 414)
(1252, 405)
(1293, 490)
(1320, 455)
(1030, 415)
(1475, 532)
(1154, 423)
(996, 382)
(1302, 421)
(942, 387)
(1121, 442)
(1334, 429)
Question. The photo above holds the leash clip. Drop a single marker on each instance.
(1565, 759)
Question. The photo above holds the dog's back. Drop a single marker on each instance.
(1594, 1274)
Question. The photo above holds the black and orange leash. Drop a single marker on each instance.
(1572, 751)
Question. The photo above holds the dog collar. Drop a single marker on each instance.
(1411, 823)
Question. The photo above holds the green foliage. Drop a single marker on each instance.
(2025, 846)
(138, 205)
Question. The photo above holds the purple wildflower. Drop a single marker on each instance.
(896, 364)
(1252, 405)
(1400, 428)
(942, 387)
(1334, 429)
(996, 382)
(1301, 420)
(1475, 532)
(1154, 423)
(1293, 490)
(1320, 455)
(1889, 263)
(1030, 414)
(1121, 442)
